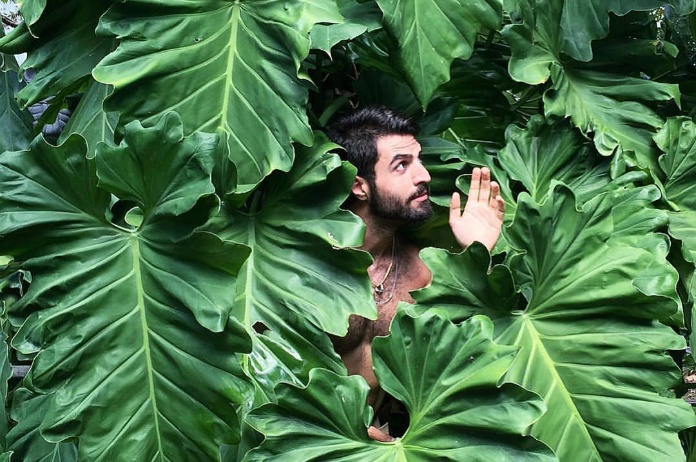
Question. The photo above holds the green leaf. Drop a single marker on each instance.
(582, 22)
(483, 86)
(360, 17)
(117, 313)
(556, 27)
(375, 87)
(678, 141)
(447, 376)
(5, 375)
(287, 352)
(491, 293)
(62, 47)
(298, 239)
(7, 61)
(235, 62)
(607, 105)
(32, 10)
(542, 153)
(25, 438)
(16, 123)
(590, 341)
(90, 120)
(432, 34)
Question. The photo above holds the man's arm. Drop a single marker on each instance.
(482, 217)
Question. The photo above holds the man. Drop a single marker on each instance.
(390, 190)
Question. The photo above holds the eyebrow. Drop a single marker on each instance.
(400, 157)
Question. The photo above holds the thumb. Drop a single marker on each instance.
(455, 207)
(378, 435)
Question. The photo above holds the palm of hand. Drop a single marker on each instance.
(482, 218)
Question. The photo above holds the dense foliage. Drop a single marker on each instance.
(173, 262)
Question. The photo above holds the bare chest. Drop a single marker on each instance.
(412, 274)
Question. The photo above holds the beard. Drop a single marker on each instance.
(393, 207)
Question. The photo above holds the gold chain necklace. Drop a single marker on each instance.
(378, 289)
(393, 288)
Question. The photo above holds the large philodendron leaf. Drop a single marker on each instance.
(229, 66)
(61, 47)
(131, 326)
(611, 107)
(432, 34)
(541, 153)
(591, 343)
(678, 140)
(298, 238)
(301, 278)
(448, 377)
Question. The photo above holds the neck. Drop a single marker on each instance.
(379, 233)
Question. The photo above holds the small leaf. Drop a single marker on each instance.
(25, 439)
(17, 130)
(61, 46)
(89, 118)
(360, 17)
(542, 153)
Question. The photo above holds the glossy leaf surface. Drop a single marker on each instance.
(616, 115)
(62, 43)
(25, 439)
(116, 312)
(433, 366)
(298, 239)
(359, 17)
(236, 62)
(678, 140)
(432, 33)
(590, 341)
(16, 123)
(90, 119)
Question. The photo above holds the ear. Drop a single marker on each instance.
(360, 188)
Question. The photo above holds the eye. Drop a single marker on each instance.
(401, 166)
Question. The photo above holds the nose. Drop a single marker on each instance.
(420, 174)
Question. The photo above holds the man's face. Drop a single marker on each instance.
(400, 187)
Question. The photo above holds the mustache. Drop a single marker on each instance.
(422, 188)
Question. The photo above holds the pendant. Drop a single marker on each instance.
(379, 289)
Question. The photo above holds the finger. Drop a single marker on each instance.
(500, 211)
(495, 193)
(475, 184)
(455, 207)
(378, 435)
(485, 188)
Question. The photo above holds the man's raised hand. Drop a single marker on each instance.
(482, 216)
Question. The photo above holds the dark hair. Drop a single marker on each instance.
(357, 132)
